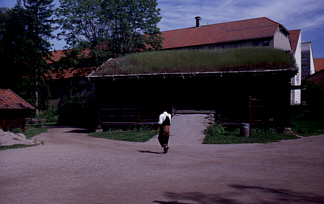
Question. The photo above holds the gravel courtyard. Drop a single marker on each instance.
(72, 167)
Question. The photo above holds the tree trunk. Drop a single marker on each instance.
(36, 94)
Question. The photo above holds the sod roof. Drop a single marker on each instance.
(185, 61)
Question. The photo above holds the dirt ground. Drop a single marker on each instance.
(72, 167)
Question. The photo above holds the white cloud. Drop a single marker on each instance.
(291, 13)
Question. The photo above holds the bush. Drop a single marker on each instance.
(314, 96)
(17, 130)
(51, 115)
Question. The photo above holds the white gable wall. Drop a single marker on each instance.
(312, 66)
(281, 40)
(296, 80)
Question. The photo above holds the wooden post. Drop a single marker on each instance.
(250, 106)
(99, 129)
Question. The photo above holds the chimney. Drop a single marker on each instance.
(198, 19)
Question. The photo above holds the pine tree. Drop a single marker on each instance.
(39, 21)
(26, 46)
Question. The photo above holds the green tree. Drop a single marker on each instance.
(25, 47)
(4, 18)
(110, 27)
(132, 25)
(14, 52)
(82, 29)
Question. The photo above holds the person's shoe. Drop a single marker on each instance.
(166, 148)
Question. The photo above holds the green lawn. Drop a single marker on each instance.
(303, 123)
(34, 132)
(16, 146)
(125, 135)
(217, 135)
(307, 126)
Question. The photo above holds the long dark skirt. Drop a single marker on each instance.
(164, 135)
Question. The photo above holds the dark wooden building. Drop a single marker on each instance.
(233, 95)
(13, 110)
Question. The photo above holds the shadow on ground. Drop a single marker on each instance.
(79, 131)
(149, 152)
(252, 194)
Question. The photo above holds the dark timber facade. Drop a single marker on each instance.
(139, 98)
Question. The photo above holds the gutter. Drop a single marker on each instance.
(190, 74)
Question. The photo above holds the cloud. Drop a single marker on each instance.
(292, 14)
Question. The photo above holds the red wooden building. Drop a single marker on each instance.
(13, 110)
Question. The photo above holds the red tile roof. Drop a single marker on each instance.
(9, 100)
(212, 34)
(57, 54)
(69, 73)
(209, 34)
(319, 64)
(220, 33)
(293, 39)
(317, 77)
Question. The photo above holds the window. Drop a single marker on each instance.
(255, 43)
(242, 45)
(266, 43)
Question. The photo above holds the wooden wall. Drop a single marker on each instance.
(228, 96)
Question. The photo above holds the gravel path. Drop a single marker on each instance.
(186, 130)
(74, 168)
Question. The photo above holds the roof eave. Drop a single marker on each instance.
(31, 107)
(291, 71)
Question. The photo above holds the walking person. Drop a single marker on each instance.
(164, 133)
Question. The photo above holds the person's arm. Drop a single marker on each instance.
(160, 122)
(157, 128)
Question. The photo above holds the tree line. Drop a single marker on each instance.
(104, 28)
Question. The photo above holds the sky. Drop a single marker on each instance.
(307, 15)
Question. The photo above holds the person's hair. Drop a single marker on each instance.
(164, 108)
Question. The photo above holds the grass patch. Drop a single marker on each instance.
(238, 59)
(308, 119)
(308, 128)
(304, 123)
(124, 135)
(217, 135)
(34, 132)
(16, 146)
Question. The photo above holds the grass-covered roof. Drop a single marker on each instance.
(240, 59)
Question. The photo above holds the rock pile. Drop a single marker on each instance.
(9, 139)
